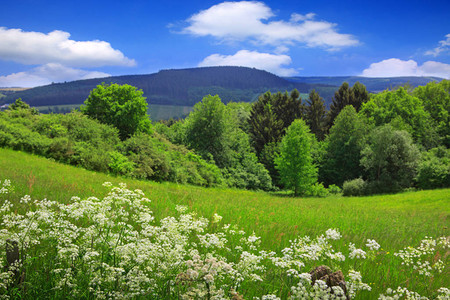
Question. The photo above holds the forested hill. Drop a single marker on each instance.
(185, 87)
(170, 87)
(373, 84)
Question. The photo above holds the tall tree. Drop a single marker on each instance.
(355, 96)
(390, 159)
(122, 106)
(315, 114)
(294, 162)
(342, 97)
(436, 101)
(403, 111)
(360, 95)
(344, 144)
(206, 130)
(269, 118)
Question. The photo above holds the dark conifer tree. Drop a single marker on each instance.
(360, 95)
(315, 114)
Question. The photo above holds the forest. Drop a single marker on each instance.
(363, 144)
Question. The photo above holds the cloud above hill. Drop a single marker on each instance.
(396, 67)
(46, 74)
(35, 48)
(264, 61)
(249, 20)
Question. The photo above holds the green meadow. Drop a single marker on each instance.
(394, 221)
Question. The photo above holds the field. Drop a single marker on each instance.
(394, 221)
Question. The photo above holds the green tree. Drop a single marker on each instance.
(294, 162)
(122, 106)
(343, 147)
(269, 118)
(404, 112)
(315, 114)
(390, 159)
(355, 96)
(436, 101)
(206, 130)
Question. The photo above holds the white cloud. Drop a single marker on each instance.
(46, 74)
(394, 67)
(248, 20)
(56, 47)
(444, 46)
(253, 59)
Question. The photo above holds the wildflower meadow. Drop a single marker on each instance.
(112, 247)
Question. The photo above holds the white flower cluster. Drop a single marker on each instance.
(356, 253)
(425, 259)
(5, 187)
(320, 290)
(400, 293)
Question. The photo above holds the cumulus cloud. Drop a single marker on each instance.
(248, 20)
(46, 74)
(265, 61)
(444, 46)
(396, 67)
(57, 47)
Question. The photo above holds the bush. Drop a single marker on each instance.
(355, 187)
(119, 164)
(317, 190)
(334, 189)
(434, 169)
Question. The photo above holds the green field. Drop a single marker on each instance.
(394, 221)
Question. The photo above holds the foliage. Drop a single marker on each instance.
(206, 130)
(354, 96)
(19, 105)
(436, 101)
(390, 159)
(119, 164)
(315, 115)
(434, 169)
(294, 162)
(121, 106)
(213, 130)
(334, 189)
(78, 140)
(354, 187)
(404, 112)
(347, 137)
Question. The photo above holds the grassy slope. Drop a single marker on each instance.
(399, 220)
(395, 221)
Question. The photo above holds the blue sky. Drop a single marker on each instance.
(53, 41)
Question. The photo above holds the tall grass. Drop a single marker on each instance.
(394, 221)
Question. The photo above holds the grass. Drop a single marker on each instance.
(394, 221)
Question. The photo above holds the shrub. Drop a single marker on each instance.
(119, 164)
(317, 190)
(334, 189)
(434, 169)
(355, 187)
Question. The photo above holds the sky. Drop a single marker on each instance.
(55, 41)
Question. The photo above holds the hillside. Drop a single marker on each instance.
(169, 87)
(373, 85)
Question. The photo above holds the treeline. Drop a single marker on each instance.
(364, 144)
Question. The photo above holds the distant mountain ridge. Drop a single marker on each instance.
(185, 87)
(373, 84)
